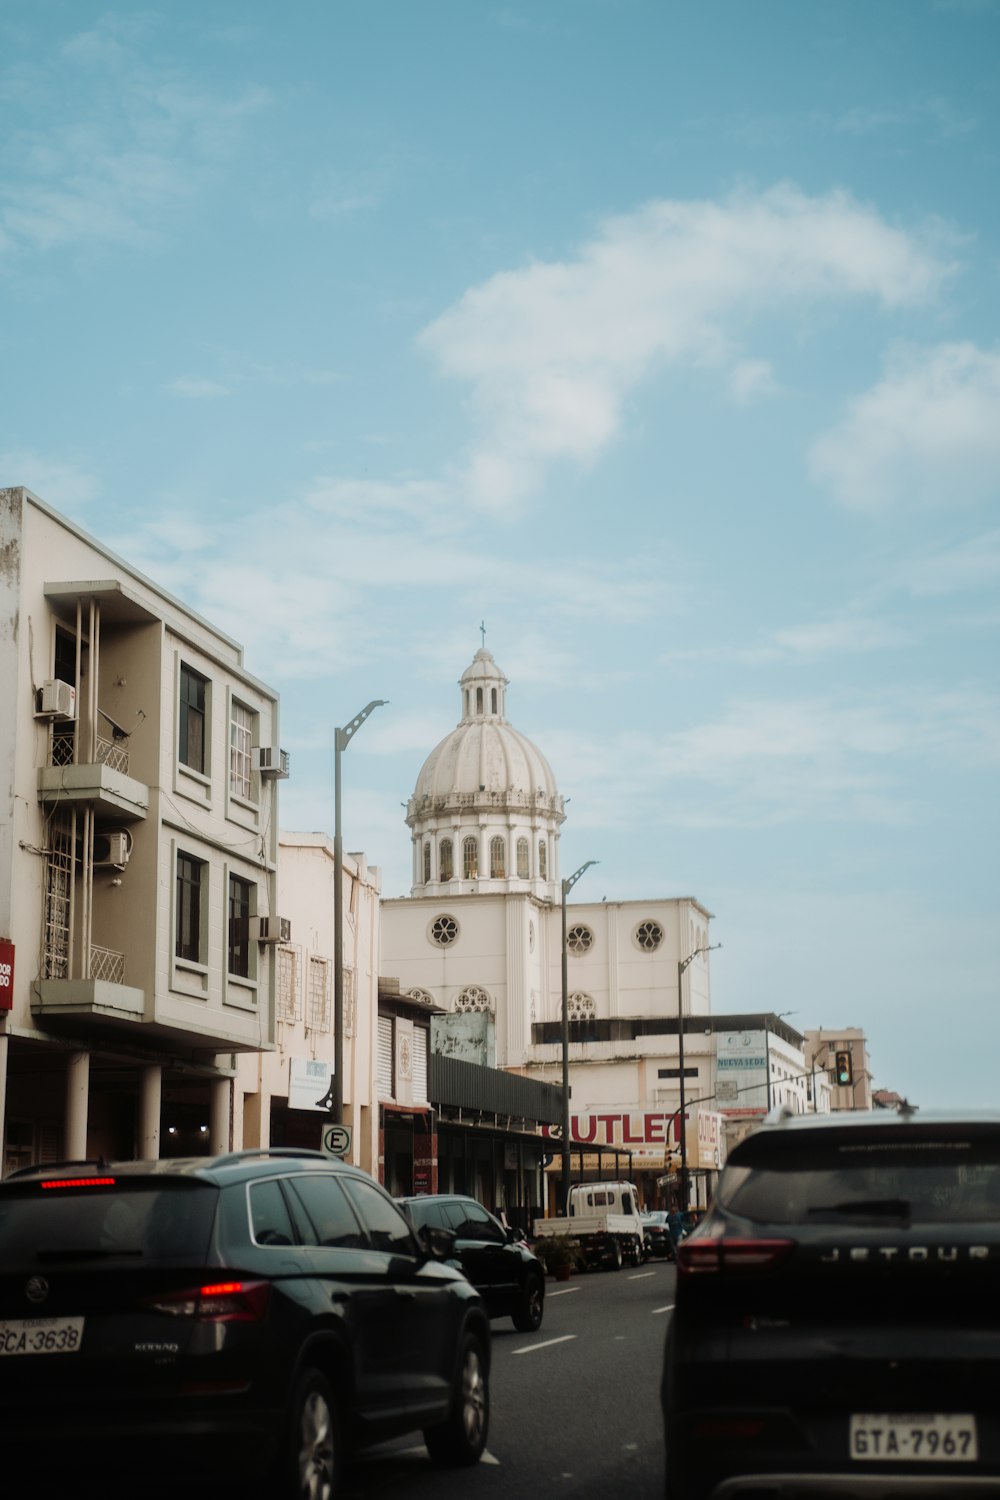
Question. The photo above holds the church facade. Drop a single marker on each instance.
(481, 936)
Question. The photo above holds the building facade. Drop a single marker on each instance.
(139, 767)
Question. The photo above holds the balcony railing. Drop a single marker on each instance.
(106, 964)
(110, 753)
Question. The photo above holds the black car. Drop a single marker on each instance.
(837, 1320)
(507, 1275)
(657, 1239)
(256, 1314)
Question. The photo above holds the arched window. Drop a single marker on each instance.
(468, 703)
(493, 699)
(479, 700)
(543, 873)
(522, 859)
(581, 1006)
(498, 860)
(447, 869)
(473, 998)
(470, 858)
(427, 861)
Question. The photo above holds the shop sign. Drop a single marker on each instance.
(6, 974)
(309, 1083)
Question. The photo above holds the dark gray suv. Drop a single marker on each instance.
(254, 1315)
(508, 1276)
(837, 1320)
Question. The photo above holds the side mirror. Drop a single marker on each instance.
(438, 1243)
(516, 1236)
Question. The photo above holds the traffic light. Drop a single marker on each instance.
(843, 1071)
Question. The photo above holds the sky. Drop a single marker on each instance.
(663, 339)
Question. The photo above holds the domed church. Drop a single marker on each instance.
(481, 936)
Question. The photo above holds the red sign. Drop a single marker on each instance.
(6, 974)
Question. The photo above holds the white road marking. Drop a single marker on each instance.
(669, 1308)
(530, 1348)
(562, 1291)
(641, 1275)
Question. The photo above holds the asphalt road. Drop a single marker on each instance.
(575, 1406)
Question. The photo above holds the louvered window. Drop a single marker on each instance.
(419, 1065)
(384, 1059)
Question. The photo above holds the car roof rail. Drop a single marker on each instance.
(261, 1153)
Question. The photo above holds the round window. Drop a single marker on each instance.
(579, 939)
(444, 931)
(649, 935)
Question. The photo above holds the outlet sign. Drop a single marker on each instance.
(6, 974)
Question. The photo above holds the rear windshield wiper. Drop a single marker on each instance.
(890, 1208)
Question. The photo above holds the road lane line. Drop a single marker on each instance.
(530, 1348)
(641, 1275)
(562, 1291)
(669, 1308)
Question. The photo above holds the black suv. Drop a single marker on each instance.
(837, 1320)
(254, 1313)
(507, 1275)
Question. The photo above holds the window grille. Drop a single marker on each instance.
(318, 1018)
(58, 897)
(581, 1007)
(470, 858)
(427, 861)
(446, 868)
(289, 1007)
(542, 860)
(349, 1002)
(522, 859)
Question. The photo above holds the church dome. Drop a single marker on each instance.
(485, 784)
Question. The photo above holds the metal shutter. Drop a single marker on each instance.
(419, 1065)
(384, 1061)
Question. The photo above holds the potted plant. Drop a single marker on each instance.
(559, 1254)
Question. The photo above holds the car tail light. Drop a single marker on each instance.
(700, 1256)
(78, 1182)
(217, 1302)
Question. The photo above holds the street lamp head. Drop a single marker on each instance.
(571, 880)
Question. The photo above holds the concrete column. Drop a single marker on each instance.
(150, 1089)
(77, 1097)
(219, 1141)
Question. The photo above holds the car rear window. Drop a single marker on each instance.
(923, 1180)
(161, 1222)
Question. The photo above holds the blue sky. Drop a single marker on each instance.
(663, 338)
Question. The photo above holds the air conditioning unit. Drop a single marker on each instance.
(270, 762)
(271, 929)
(112, 848)
(56, 700)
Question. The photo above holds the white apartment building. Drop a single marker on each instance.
(285, 1093)
(139, 767)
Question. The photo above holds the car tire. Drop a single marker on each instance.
(461, 1439)
(314, 1453)
(615, 1261)
(528, 1316)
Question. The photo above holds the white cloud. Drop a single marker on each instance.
(195, 389)
(964, 567)
(60, 484)
(752, 380)
(837, 635)
(552, 351)
(928, 434)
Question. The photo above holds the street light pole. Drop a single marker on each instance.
(567, 886)
(682, 964)
(342, 738)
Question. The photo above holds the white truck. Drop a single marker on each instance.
(604, 1220)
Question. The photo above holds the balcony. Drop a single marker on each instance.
(105, 785)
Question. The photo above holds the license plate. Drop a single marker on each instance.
(941, 1437)
(41, 1336)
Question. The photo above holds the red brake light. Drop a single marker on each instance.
(217, 1302)
(78, 1182)
(698, 1256)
